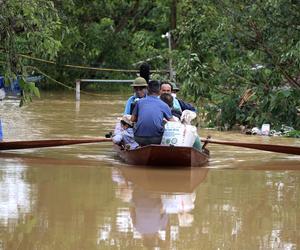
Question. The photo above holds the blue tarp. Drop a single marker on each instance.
(14, 87)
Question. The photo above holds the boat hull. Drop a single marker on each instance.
(166, 156)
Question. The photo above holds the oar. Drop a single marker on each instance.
(11, 145)
(266, 147)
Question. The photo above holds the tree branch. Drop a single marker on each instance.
(259, 39)
(124, 20)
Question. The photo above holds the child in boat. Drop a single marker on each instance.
(123, 134)
(168, 99)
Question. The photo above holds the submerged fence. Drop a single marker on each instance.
(79, 81)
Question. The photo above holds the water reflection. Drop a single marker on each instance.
(16, 195)
(161, 202)
(55, 204)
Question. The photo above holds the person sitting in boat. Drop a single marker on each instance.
(123, 134)
(175, 89)
(180, 105)
(149, 114)
(140, 91)
(168, 99)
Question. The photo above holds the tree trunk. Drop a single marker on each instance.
(173, 22)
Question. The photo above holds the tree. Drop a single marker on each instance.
(27, 27)
(233, 46)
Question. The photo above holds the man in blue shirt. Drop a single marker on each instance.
(140, 88)
(149, 114)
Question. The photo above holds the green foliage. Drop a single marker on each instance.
(28, 27)
(220, 49)
(110, 34)
(28, 91)
(233, 46)
(293, 133)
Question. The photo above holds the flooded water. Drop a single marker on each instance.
(83, 197)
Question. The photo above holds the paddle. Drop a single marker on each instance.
(11, 145)
(266, 147)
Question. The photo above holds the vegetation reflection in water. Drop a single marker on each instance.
(51, 207)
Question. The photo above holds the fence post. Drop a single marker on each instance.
(77, 90)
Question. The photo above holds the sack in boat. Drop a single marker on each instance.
(265, 129)
(178, 134)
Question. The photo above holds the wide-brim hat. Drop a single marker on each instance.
(139, 82)
(126, 119)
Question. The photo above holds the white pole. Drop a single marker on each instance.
(77, 90)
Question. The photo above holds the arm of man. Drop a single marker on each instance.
(172, 119)
(133, 118)
(169, 120)
(185, 106)
(128, 105)
(117, 138)
(134, 115)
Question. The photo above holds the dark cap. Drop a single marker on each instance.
(174, 86)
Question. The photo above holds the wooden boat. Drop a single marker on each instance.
(166, 156)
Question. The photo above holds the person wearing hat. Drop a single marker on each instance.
(175, 88)
(150, 114)
(140, 91)
(176, 104)
(123, 134)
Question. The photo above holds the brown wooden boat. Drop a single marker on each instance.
(166, 156)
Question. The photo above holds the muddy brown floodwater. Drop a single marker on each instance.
(83, 197)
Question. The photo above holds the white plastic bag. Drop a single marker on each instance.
(187, 116)
(178, 134)
(265, 129)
